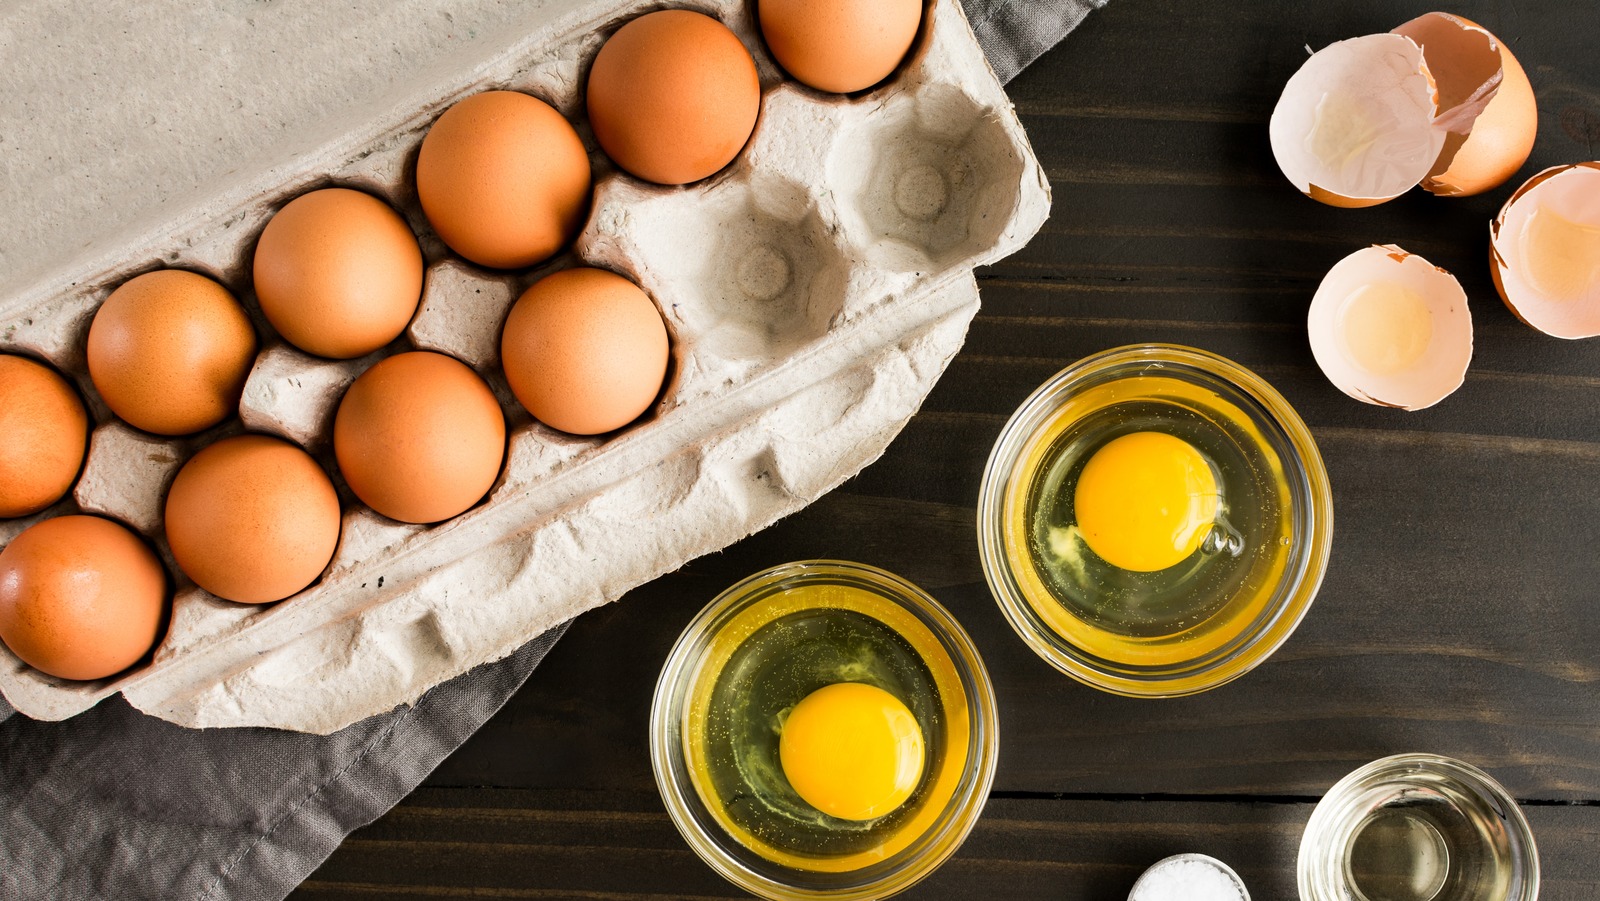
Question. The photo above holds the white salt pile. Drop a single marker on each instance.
(1189, 877)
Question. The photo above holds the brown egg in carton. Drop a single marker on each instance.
(814, 290)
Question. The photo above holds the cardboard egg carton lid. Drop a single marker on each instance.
(814, 291)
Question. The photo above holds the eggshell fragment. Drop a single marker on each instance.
(1389, 328)
(839, 45)
(43, 433)
(252, 519)
(169, 351)
(503, 179)
(585, 351)
(1354, 126)
(338, 273)
(673, 96)
(1486, 105)
(419, 437)
(1544, 251)
(80, 597)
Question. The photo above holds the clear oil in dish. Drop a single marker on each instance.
(1428, 846)
(1149, 521)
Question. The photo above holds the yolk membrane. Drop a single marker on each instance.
(1342, 131)
(1145, 501)
(852, 750)
(1384, 328)
(1561, 258)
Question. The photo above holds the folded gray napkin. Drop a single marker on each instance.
(1014, 33)
(116, 804)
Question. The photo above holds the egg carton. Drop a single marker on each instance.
(814, 291)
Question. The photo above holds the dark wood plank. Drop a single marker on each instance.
(1459, 615)
(1443, 625)
(474, 843)
(1152, 122)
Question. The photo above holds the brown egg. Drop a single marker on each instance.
(1486, 142)
(585, 351)
(840, 45)
(673, 96)
(419, 437)
(169, 352)
(503, 179)
(338, 273)
(80, 597)
(252, 519)
(43, 430)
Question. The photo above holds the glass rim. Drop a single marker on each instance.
(1324, 833)
(706, 837)
(1311, 497)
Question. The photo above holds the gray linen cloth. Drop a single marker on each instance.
(116, 804)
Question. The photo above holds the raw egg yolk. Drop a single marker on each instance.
(1145, 501)
(852, 750)
(1384, 327)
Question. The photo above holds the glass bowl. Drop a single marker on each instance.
(1418, 827)
(756, 833)
(1223, 609)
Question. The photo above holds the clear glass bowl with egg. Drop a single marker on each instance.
(1155, 520)
(1418, 827)
(784, 651)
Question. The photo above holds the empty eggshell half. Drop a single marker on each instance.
(1486, 105)
(1389, 328)
(1355, 125)
(1544, 251)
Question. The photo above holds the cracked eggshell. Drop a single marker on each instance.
(1389, 328)
(1544, 251)
(1486, 105)
(1354, 126)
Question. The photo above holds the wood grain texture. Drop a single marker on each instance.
(1460, 614)
(501, 843)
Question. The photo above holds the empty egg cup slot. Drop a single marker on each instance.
(770, 279)
(927, 182)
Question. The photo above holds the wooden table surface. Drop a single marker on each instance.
(1460, 614)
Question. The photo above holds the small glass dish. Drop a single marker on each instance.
(1216, 613)
(1418, 827)
(731, 677)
